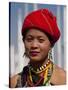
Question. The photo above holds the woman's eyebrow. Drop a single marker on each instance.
(41, 36)
(29, 35)
(38, 36)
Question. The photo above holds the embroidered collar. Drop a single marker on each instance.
(40, 69)
(41, 77)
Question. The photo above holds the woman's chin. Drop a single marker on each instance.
(35, 59)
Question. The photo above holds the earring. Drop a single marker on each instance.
(50, 55)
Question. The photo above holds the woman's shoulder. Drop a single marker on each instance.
(16, 79)
(13, 80)
(58, 76)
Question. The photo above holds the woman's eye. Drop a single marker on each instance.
(29, 39)
(41, 40)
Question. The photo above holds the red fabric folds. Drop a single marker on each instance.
(43, 20)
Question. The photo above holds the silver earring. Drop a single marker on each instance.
(50, 55)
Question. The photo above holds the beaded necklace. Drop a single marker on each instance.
(41, 76)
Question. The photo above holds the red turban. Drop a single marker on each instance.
(43, 20)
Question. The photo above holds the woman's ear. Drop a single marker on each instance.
(50, 47)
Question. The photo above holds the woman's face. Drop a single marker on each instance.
(37, 45)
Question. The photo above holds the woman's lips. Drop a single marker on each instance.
(34, 53)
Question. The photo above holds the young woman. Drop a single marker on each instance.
(40, 32)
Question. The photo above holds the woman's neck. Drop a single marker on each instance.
(38, 64)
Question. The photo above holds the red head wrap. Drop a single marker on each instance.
(43, 20)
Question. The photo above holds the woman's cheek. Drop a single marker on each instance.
(45, 48)
(27, 47)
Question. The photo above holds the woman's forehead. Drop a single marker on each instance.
(35, 32)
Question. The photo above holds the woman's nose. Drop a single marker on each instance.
(34, 44)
